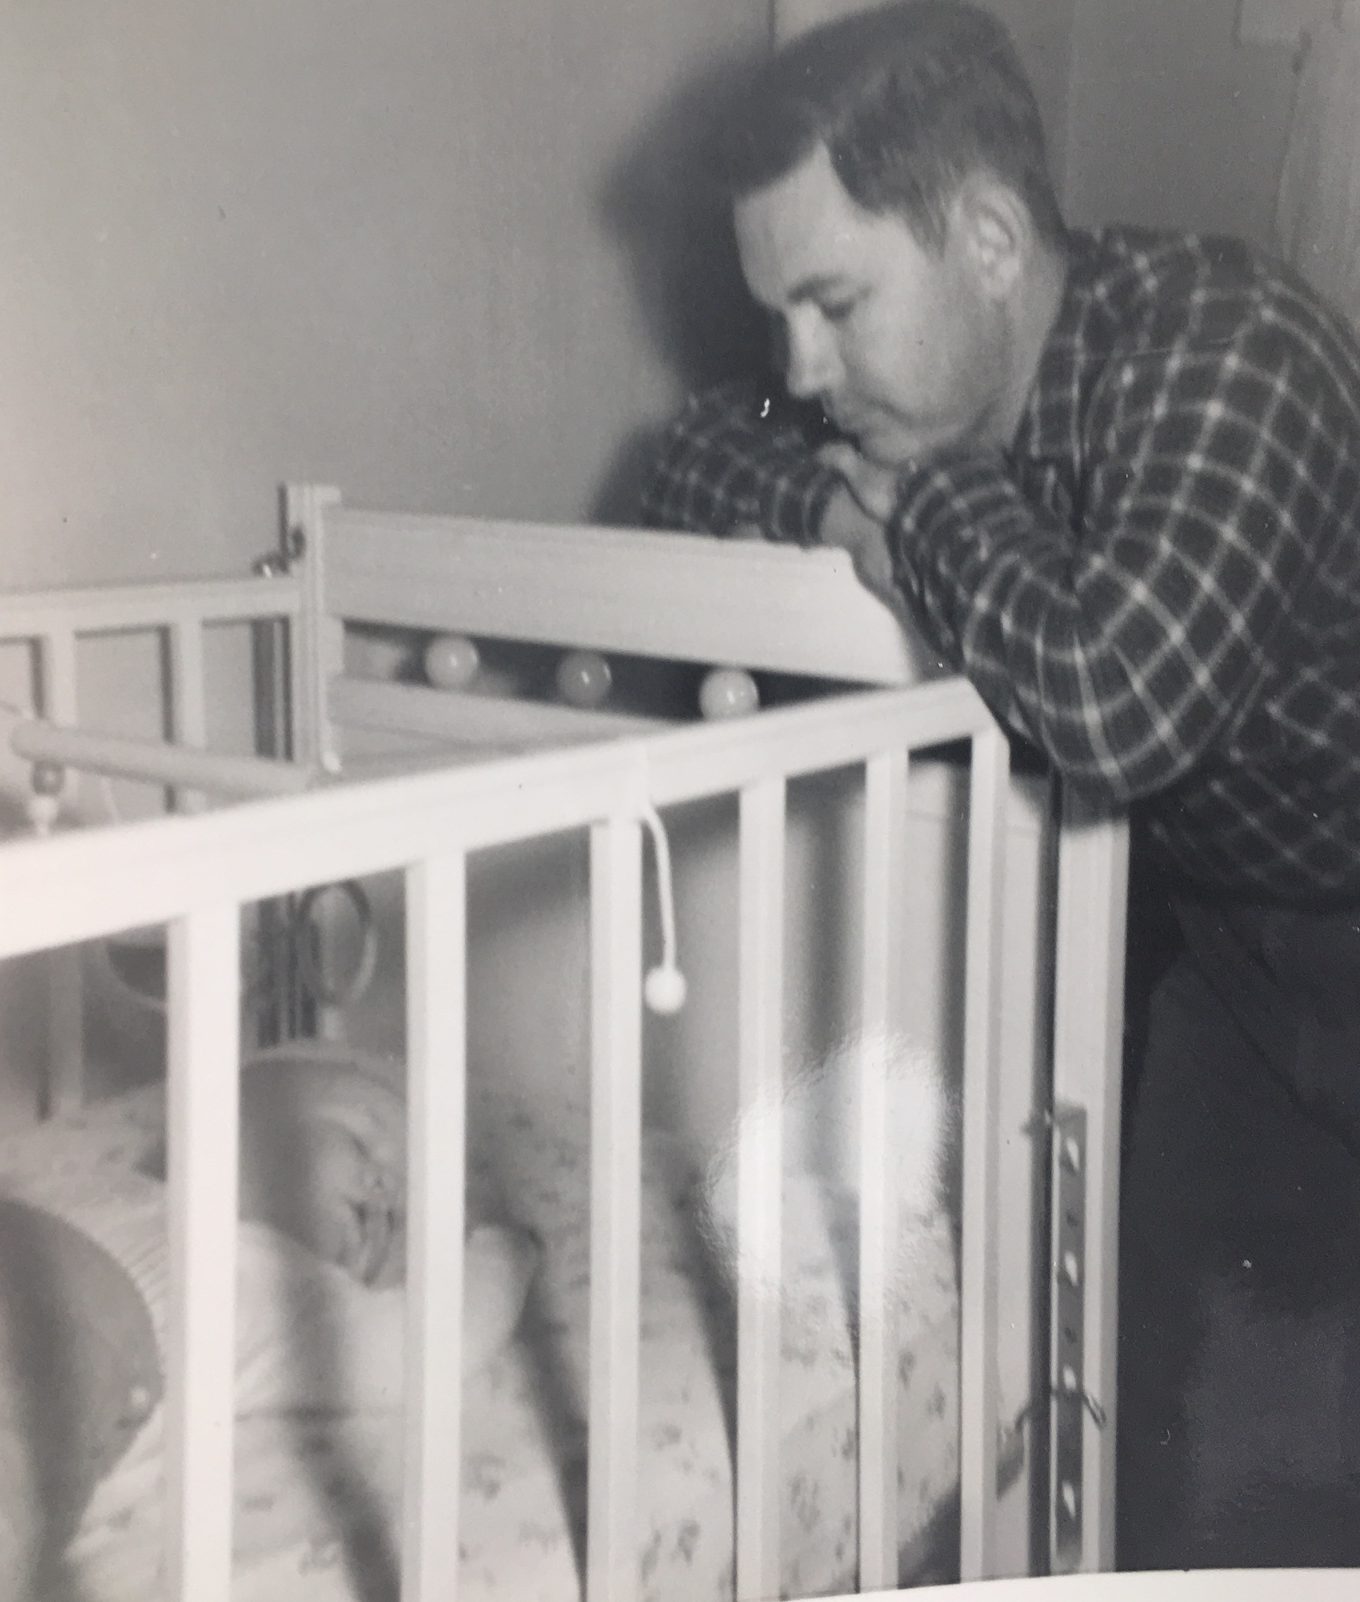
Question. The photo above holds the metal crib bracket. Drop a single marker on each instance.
(1071, 1400)
(274, 564)
(1072, 1403)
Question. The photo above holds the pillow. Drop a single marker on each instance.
(311, 1336)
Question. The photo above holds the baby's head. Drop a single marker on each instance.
(323, 1160)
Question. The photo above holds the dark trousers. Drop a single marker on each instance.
(1239, 1405)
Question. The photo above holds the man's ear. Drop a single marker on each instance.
(992, 227)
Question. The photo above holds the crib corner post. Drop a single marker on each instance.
(1087, 1089)
(313, 652)
(303, 505)
(318, 643)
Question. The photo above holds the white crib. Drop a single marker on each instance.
(606, 776)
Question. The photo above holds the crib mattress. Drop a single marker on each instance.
(317, 1496)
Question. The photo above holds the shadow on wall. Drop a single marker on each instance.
(662, 204)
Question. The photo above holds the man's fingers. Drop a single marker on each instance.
(874, 487)
(840, 456)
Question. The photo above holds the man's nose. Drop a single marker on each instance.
(809, 357)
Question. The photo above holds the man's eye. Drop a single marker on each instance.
(836, 311)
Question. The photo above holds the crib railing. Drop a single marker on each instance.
(196, 873)
(52, 626)
(55, 623)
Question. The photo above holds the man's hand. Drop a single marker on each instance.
(856, 517)
(847, 524)
(873, 487)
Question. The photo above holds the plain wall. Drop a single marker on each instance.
(391, 248)
(368, 245)
(1172, 122)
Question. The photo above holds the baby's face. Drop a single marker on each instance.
(346, 1205)
(323, 1160)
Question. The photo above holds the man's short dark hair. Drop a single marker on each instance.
(909, 99)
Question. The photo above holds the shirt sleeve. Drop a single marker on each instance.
(1129, 643)
(737, 457)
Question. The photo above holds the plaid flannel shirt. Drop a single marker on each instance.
(1159, 584)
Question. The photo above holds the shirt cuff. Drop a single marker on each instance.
(790, 505)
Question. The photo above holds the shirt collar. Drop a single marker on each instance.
(1048, 429)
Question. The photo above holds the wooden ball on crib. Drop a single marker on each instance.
(728, 693)
(47, 778)
(584, 679)
(451, 661)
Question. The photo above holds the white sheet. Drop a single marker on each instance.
(317, 1495)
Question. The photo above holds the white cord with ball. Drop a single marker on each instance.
(664, 988)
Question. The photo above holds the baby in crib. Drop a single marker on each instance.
(320, 1315)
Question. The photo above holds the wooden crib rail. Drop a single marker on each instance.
(639, 592)
(52, 625)
(155, 761)
(54, 622)
(109, 609)
(196, 872)
(165, 867)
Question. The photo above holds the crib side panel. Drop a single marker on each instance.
(149, 662)
(283, 845)
(670, 596)
(778, 972)
(528, 1020)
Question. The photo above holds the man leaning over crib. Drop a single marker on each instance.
(1116, 481)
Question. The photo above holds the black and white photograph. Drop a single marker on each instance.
(679, 800)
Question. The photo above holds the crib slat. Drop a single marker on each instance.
(885, 937)
(57, 658)
(188, 703)
(65, 978)
(759, 1183)
(979, 1318)
(436, 991)
(612, 1547)
(65, 1089)
(202, 1112)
